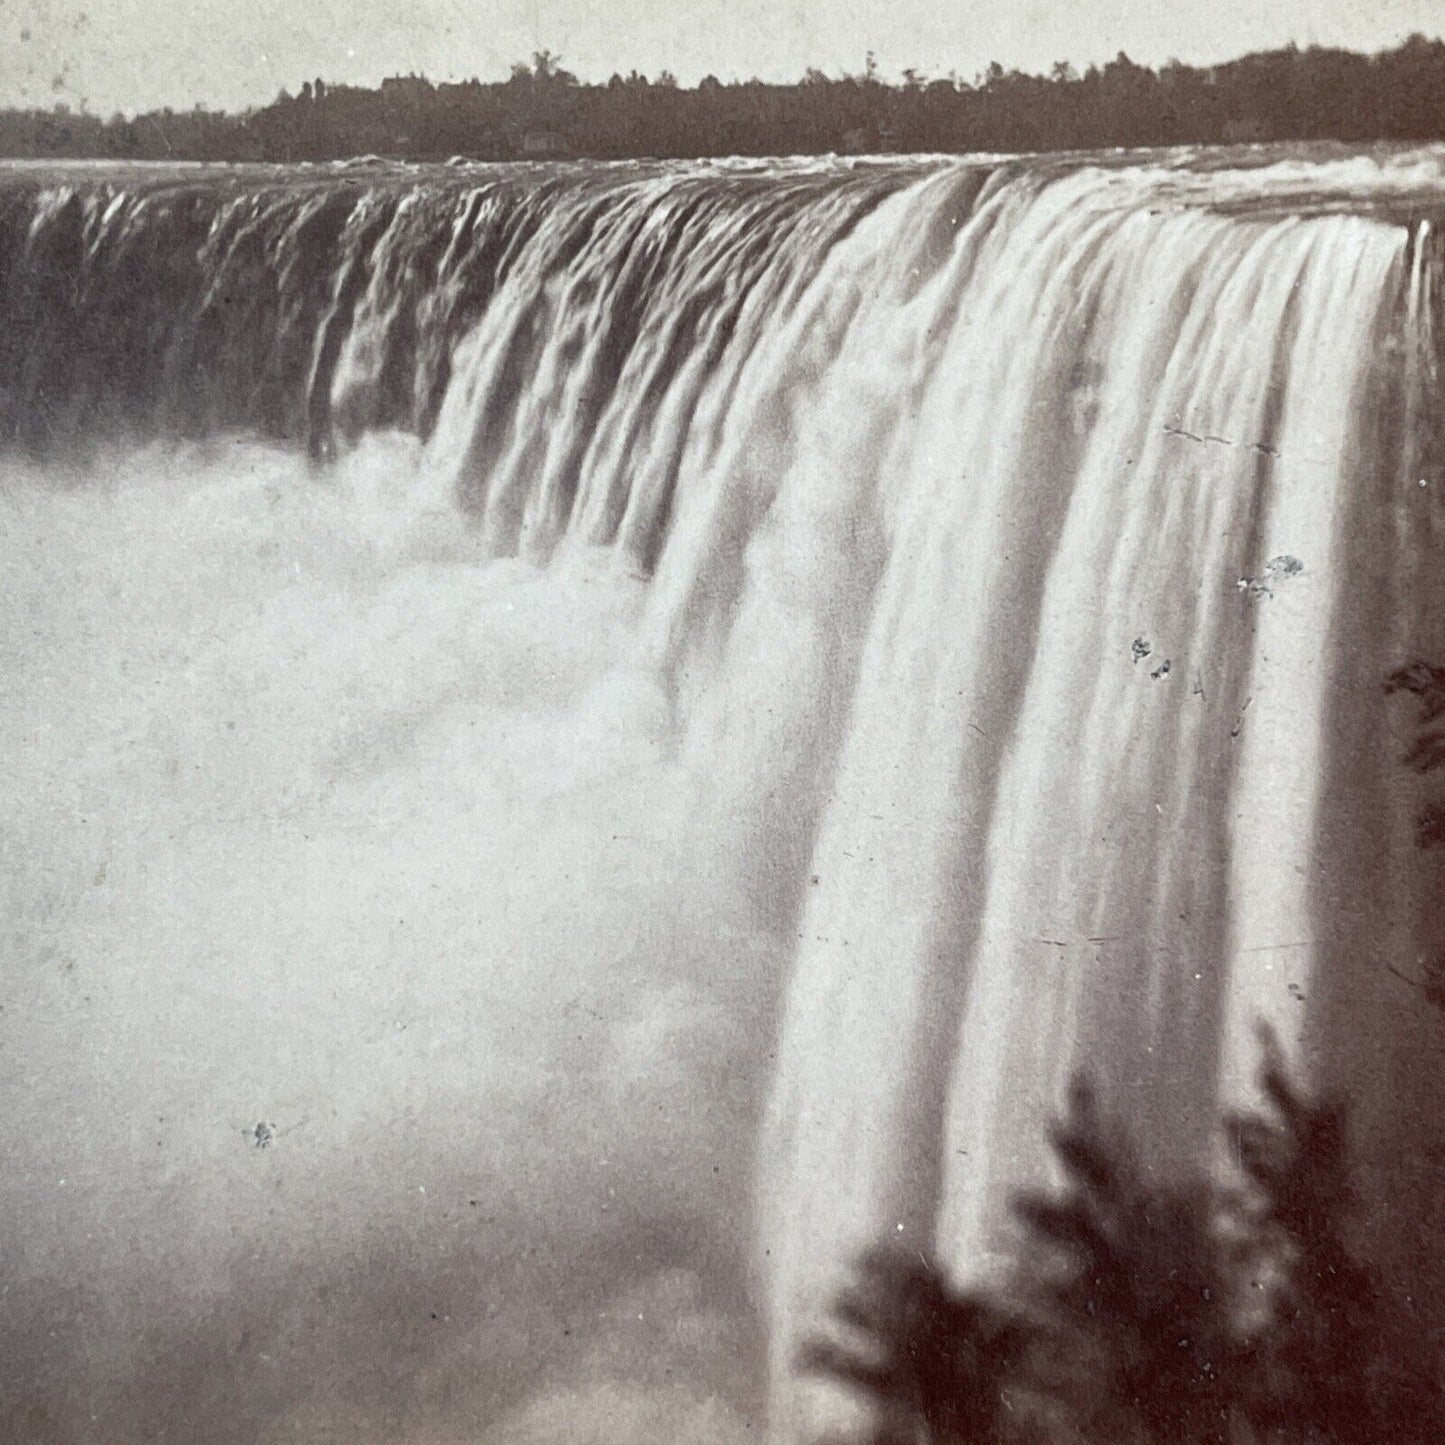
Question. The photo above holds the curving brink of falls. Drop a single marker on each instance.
(1023, 548)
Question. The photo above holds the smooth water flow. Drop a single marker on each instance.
(585, 735)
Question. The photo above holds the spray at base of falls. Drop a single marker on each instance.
(1011, 557)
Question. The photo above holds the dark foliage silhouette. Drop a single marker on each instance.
(1132, 1285)
(930, 1356)
(1153, 1313)
(543, 110)
(1326, 1369)
(1425, 683)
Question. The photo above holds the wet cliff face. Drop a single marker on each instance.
(581, 736)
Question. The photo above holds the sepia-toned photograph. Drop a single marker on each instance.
(722, 725)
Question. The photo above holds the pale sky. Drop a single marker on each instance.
(135, 54)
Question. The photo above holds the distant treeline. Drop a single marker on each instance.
(543, 110)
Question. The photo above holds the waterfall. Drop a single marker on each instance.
(1023, 547)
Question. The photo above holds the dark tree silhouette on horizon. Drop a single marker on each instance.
(1285, 95)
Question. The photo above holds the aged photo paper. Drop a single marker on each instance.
(721, 724)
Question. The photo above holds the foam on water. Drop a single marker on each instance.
(316, 824)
